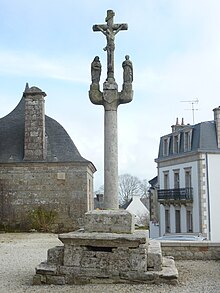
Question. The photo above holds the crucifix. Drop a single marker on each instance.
(110, 98)
(110, 30)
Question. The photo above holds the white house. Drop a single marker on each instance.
(137, 207)
(189, 179)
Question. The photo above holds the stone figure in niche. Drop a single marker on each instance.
(96, 68)
(128, 70)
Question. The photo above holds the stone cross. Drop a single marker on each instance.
(110, 98)
(110, 30)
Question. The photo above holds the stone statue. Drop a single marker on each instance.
(128, 70)
(110, 30)
(96, 68)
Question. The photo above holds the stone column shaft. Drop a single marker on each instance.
(111, 160)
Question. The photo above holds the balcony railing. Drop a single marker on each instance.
(177, 194)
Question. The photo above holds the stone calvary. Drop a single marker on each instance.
(110, 98)
(108, 249)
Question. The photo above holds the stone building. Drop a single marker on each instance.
(188, 166)
(40, 166)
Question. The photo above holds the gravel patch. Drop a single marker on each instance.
(21, 252)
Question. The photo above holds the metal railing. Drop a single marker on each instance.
(176, 194)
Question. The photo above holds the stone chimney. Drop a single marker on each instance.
(217, 124)
(178, 126)
(34, 137)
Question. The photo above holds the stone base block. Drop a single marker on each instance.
(109, 221)
(106, 258)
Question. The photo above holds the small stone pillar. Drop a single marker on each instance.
(34, 137)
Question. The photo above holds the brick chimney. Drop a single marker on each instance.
(34, 137)
(217, 124)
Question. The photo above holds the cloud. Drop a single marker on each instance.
(17, 63)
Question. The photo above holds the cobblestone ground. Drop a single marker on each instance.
(20, 253)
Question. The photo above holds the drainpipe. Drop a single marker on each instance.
(208, 198)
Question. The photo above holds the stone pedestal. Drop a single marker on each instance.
(108, 250)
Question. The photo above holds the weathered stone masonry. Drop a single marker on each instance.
(41, 167)
(54, 186)
(34, 138)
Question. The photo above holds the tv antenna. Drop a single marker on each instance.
(193, 109)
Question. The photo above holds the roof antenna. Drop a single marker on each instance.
(193, 102)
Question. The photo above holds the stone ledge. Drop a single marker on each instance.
(203, 250)
(104, 239)
(189, 243)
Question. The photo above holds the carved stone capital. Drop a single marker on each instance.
(126, 95)
(95, 94)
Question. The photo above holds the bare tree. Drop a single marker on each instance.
(128, 187)
(100, 190)
(144, 187)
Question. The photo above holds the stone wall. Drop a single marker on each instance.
(65, 188)
(204, 250)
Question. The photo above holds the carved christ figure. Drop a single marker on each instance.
(110, 30)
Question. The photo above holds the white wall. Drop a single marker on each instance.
(214, 195)
(138, 209)
(195, 184)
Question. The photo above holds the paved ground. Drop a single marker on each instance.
(20, 253)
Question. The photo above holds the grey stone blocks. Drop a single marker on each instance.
(92, 257)
(109, 221)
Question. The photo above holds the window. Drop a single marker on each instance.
(178, 219)
(189, 220)
(187, 140)
(176, 179)
(188, 179)
(166, 142)
(166, 180)
(175, 144)
(167, 221)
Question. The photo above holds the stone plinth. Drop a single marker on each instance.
(99, 257)
(104, 239)
(109, 221)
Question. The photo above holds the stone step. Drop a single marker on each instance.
(154, 259)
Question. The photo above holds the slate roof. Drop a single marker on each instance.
(204, 139)
(125, 205)
(154, 181)
(60, 147)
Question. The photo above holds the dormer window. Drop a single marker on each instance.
(187, 140)
(176, 143)
(166, 142)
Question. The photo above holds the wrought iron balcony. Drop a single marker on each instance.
(177, 194)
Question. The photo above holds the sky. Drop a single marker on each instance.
(175, 49)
